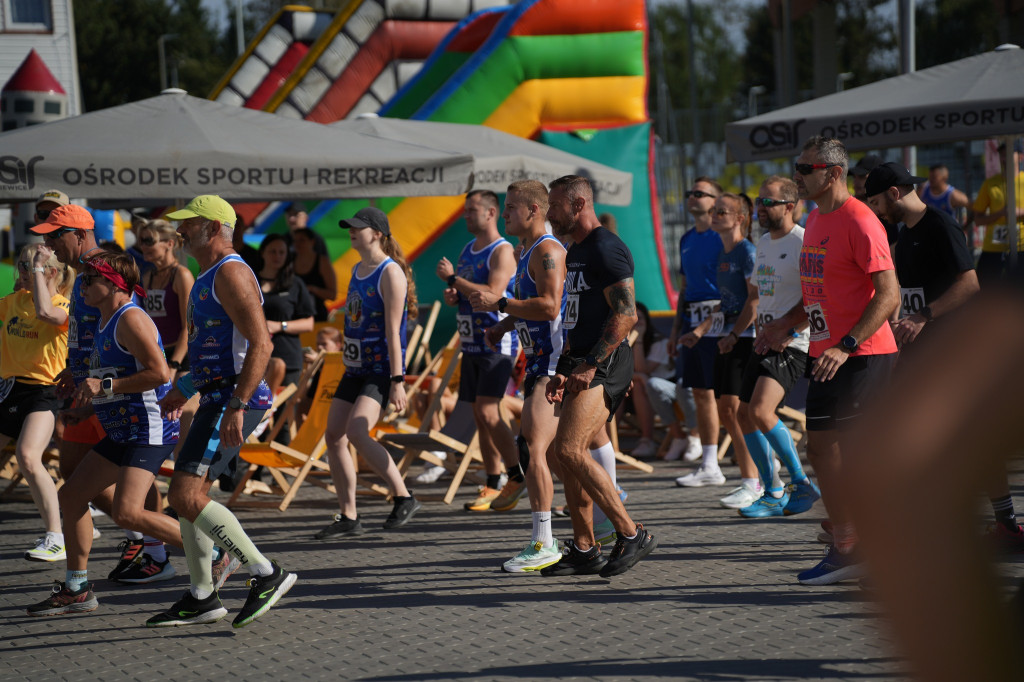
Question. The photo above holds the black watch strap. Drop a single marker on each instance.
(502, 304)
(398, 378)
(451, 280)
(236, 404)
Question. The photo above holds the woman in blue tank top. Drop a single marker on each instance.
(381, 295)
(127, 376)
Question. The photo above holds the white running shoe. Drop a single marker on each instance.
(94, 512)
(431, 474)
(96, 533)
(645, 448)
(46, 549)
(675, 449)
(694, 449)
(741, 497)
(533, 558)
(701, 477)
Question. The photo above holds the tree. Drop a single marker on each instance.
(954, 29)
(117, 49)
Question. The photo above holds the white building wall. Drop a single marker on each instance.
(56, 47)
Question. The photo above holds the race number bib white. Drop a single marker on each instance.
(763, 319)
(572, 311)
(464, 323)
(72, 332)
(101, 374)
(717, 324)
(525, 340)
(818, 323)
(1000, 234)
(701, 311)
(912, 299)
(353, 352)
(154, 303)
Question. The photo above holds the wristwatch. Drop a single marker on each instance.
(849, 344)
(236, 404)
(502, 303)
(108, 386)
(926, 313)
(451, 280)
(174, 364)
(590, 360)
(397, 378)
(284, 326)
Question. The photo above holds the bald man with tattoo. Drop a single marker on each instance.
(592, 378)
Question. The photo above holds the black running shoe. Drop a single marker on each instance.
(145, 569)
(130, 551)
(626, 552)
(342, 526)
(190, 611)
(576, 562)
(405, 508)
(62, 600)
(264, 591)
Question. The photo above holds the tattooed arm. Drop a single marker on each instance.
(622, 300)
(547, 268)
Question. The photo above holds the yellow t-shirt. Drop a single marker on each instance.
(31, 349)
(992, 198)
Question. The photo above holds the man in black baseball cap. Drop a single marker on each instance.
(886, 175)
(859, 173)
(371, 217)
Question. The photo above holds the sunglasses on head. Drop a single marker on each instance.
(697, 194)
(769, 203)
(808, 168)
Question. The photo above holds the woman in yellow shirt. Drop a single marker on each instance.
(33, 349)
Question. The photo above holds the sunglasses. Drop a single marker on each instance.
(57, 234)
(43, 215)
(697, 194)
(808, 168)
(770, 203)
(24, 265)
(88, 279)
(148, 241)
(722, 211)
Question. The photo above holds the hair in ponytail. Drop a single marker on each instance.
(393, 251)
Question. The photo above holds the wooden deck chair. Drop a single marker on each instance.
(9, 470)
(304, 453)
(418, 348)
(613, 432)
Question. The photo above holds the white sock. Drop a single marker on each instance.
(134, 535)
(542, 528)
(155, 548)
(57, 538)
(752, 483)
(776, 480)
(605, 456)
(709, 459)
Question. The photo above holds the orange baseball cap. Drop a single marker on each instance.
(72, 216)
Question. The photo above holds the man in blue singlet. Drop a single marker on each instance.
(941, 195)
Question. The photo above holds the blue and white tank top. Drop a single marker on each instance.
(366, 341)
(475, 267)
(82, 323)
(541, 340)
(128, 417)
(942, 202)
(216, 350)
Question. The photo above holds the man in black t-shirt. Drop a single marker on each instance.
(593, 375)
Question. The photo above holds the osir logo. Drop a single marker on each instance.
(780, 135)
(15, 171)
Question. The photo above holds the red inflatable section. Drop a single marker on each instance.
(564, 17)
(278, 75)
(472, 36)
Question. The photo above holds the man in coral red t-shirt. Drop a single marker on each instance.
(849, 290)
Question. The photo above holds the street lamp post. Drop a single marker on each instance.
(842, 79)
(161, 44)
(751, 111)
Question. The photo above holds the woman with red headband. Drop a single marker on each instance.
(128, 376)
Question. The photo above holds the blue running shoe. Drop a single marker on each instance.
(802, 497)
(765, 507)
(622, 493)
(834, 568)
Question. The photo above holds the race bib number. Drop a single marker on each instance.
(102, 373)
(818, 323)
(72, 332)
(763, 319)
(717, 324)
(154, 303)
(1000, 234)
(353, 352)
(464, 323)
(572, 311)
(525, 340)
(912, 299)
(701, 311)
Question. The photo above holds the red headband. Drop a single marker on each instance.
(112, 276)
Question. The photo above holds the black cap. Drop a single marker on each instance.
(888, 175)
(368, 217)
(866, 165)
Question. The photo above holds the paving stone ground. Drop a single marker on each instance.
(716, 601)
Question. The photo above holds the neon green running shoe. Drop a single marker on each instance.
(604, 533)
(534, 557)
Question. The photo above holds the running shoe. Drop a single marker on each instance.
(222, 568)
(765, 507)
(576, 562)
(534, 557)
(342, 525)
(644, 448)
(825, 536)
(405, 508)
(509, 496)
(190, 611)
(743, 496)
(62, 600)
(46, 549)
(130, 551)
(835, 567)
(431, 474)
(622, 493)
(675, 449)
(627, 552)
(701, 477)
(264, 592)
(802, 497)
(96, 533)
(1006, 541)
(604, 533)
(694, 449)
(146, 570)
(483, 500)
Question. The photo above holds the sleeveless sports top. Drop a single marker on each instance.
(474, 266)
(128, 417)
(82, 322)
(366, 343)
(162, 305)
(216, 350)
(541, 340)
(942, 202)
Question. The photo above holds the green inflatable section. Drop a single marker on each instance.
(8, 274)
